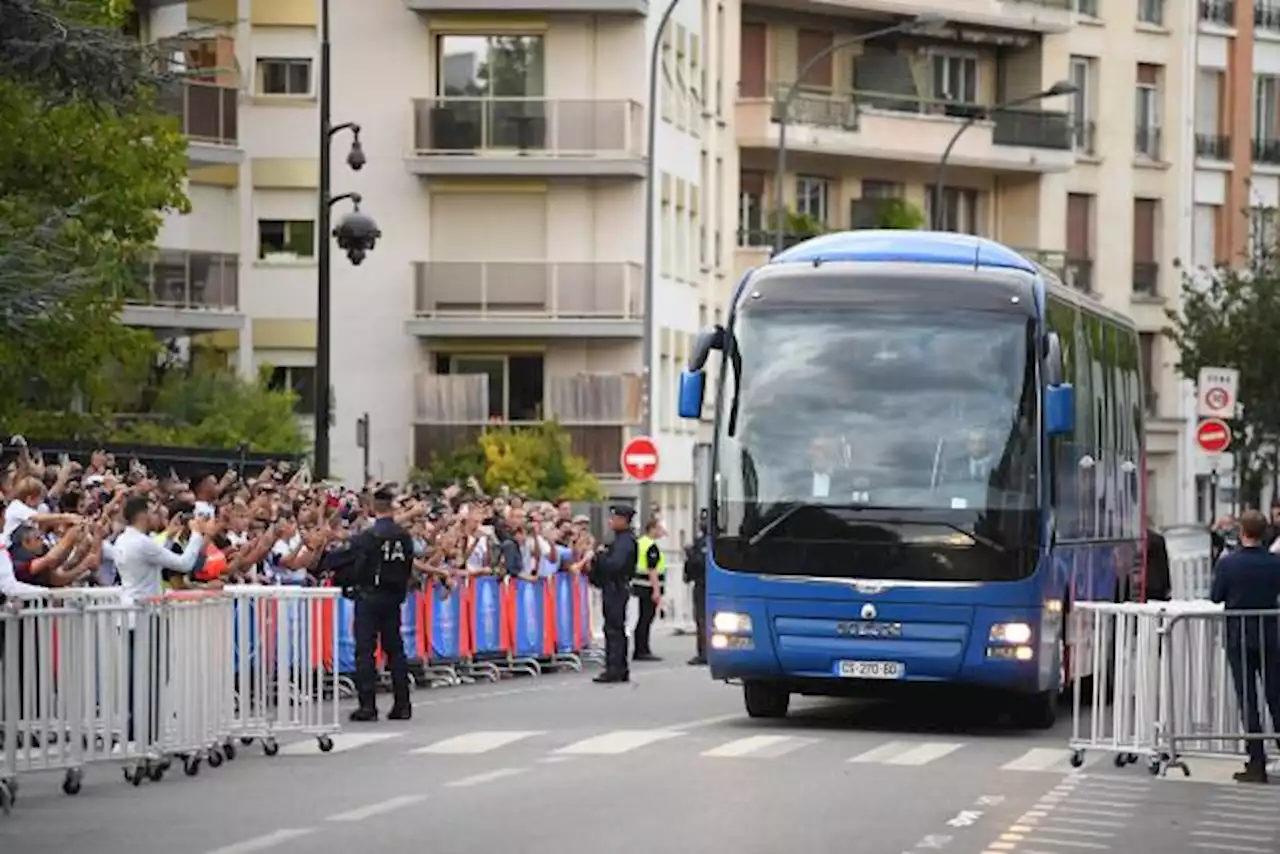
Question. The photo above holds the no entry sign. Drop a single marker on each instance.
(640, 458)
(1213, 435)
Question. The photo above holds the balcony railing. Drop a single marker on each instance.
(1146, 142)
(1221, 12)
(1083, 132)
(202, 281)
(1146, 279)
(209, 112)
(454, 410)
(818, 109)
(909, 103)
(1033, 129)
(1213, 146)
(1266, 16)
(761, 238)
(1266, 151)
(538, 290)
(523, 126)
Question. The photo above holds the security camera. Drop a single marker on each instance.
(355, 157)
(357, 234)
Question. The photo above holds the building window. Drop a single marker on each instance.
(1266, 118)
(302, 382)
(1146, 233)
(955, 78)
(1082, 103)
(960, 209)
(1149, 346)
(1210, 141)
(1151, 12)
(489, 66)
(813, 198)
(286, 239)
(516, 383)
(1147, 112)
(284, 77)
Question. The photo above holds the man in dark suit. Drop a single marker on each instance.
(1158, 575)
(826, 478)
(1248, 579)
(976, 464)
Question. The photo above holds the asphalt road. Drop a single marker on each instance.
(669, 762)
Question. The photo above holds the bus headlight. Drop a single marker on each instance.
(731, 623)
(1010, 633)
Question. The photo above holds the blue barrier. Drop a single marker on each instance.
(409, 625)
(344, 624)
(564, 582)
(446, 624)
(530, 641)
(486, 594)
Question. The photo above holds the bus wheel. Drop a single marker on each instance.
(1036, 711)
(765, 700)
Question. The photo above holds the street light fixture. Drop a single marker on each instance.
(923, 22)
(356, 234)
(1062, 87)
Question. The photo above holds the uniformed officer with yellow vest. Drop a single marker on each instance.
(651, 565)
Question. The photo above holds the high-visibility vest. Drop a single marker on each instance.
(642, 565)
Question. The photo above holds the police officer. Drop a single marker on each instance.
(646, 586)
(695, 572)
(611, 571)
(375, 571)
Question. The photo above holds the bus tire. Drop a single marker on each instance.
(765, 699)
(1036, 711)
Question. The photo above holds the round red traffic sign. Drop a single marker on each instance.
(1213, 435)
(1217, 398)
(640, 458)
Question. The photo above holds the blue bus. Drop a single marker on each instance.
(926, 449)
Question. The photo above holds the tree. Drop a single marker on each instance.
(1228, 318)
(88, 165)
(533, 461)
(898, 214)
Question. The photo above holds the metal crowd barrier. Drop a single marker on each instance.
(1162, 686)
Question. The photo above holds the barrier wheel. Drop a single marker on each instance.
(229, 751)
(270, 748)
(156, 772)
(1153, 767)
(133, 776)
(246, 741)
(6, 798)
(1077, 759)
(71, 782)
(1121, 760)
(191, 767)
(325, 743)
(215, 758)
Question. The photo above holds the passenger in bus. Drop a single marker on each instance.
(977, 462)
(826, 477)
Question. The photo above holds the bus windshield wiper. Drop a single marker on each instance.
(773, 523)
(980, 539)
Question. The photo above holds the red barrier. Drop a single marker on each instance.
(579, 630)
(549, 626)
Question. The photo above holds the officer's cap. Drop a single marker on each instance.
(384, 494)
(623, 511)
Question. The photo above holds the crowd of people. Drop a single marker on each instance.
(90, 524)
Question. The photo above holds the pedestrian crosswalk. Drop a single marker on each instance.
(717, 745)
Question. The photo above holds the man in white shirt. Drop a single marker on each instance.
(140, 560)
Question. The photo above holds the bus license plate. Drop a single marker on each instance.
(871, 669)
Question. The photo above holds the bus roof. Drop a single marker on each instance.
(938, 247)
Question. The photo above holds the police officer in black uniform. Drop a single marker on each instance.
(695, 572)
(611, 571)
(375, 571)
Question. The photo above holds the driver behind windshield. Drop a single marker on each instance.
(976, 463)
(826, 475)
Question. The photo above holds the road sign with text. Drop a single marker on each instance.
(1217, 392)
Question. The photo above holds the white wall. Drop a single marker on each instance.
(213, 225)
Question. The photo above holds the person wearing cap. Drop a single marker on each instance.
(375, 570)
(611, 570)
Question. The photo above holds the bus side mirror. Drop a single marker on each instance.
(1053, 360)
(711, 338)
(1060, 409)
(691, 388)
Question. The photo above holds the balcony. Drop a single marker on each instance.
(210, 120)
(1213, 146)
(451, 411)
(1266, 151)
(1266, 16)
(570, 7)
(1146, 279)
(1220, 12)
(897, 127)
(195, 291)
(498, 299)
(527, 138)
(1076, 273)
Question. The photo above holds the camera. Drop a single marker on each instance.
(357, 234)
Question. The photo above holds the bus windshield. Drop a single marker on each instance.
(901, 416)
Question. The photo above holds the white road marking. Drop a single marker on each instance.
(486, 777)
(1070, 843)
(1039, 759)
(1088, 822)
(389, 805)
(1071, 831)
(1107, 813)
(771, 746)
(262, 843)
(1241, 849)
(925, 753)
(1242, 806)
(619, 741)
(342, 742)
(1218, 834)
(477, 742)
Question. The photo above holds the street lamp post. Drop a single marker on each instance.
(923, 21)
(356, 234)
(650, 231)
(1062, 87)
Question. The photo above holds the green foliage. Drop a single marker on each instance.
(533, 461)
(796, 226)
(899, 214)
(1228, 318)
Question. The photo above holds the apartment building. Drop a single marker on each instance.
(1235, 176)
(506, 166)
(1086, 183)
